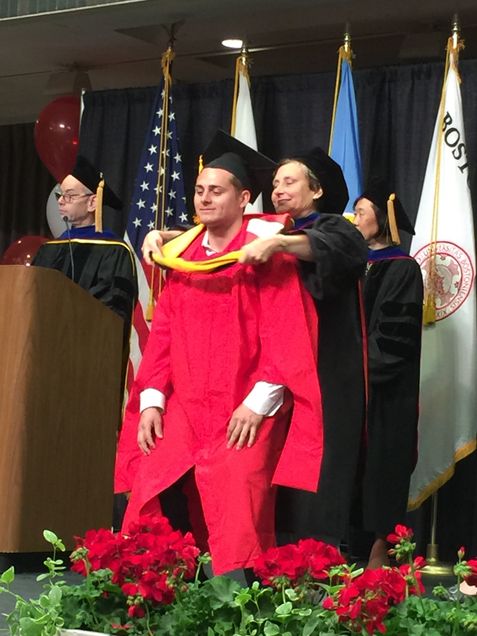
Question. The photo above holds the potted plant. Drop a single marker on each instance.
(149, 582)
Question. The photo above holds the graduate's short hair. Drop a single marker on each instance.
(237, 184)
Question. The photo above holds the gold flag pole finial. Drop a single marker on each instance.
(455, 31)
(455, 43)
(244, 55)
(347, 39)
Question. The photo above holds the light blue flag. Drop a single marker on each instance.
(345, 148)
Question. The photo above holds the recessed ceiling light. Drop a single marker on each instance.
(232, 43)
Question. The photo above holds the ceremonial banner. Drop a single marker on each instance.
(158, 202)
(243, 124)
(344, 138)
(444, 247)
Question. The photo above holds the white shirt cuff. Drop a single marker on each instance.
(151, 397)
(265, 398)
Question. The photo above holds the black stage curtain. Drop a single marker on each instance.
(397, 107)
(24, 186)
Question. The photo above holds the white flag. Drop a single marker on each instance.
(444, 247)
(244, 124)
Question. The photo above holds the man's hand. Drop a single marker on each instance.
(149, 428)
(260, 250)
(243, 426)
(153, 242)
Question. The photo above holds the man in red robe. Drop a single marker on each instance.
(228, 384)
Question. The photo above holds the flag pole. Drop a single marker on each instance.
(434, 566)
(159, 221)
(241, 67)
(344, 53)
(454, 45)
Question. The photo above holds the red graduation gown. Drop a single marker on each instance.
(213, 337)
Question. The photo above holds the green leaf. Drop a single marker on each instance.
(284, 609)
(223, 587)
(302, 611)
(242, 598)
(270, 629)
(291, 594)
(310, 625)
(55, 594)
(50, 536)
(8, 576)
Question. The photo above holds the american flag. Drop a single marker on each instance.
(154, 206)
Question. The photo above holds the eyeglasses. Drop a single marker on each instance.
(69, 197)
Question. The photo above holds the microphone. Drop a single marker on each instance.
(67, 223)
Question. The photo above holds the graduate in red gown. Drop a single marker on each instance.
(228, 385)
(332, 259)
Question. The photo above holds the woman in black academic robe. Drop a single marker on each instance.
(393, 299)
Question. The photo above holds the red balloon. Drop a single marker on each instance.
(57, 133)
(21, 252)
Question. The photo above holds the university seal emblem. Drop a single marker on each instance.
(451, 278)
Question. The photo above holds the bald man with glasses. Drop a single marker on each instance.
(93, 257)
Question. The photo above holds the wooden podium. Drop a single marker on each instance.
(60, 378)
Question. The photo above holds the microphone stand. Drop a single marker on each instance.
(67, 223)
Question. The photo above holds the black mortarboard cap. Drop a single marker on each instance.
(252, 169)
(335, 191)
(90, 177)
(378, 192)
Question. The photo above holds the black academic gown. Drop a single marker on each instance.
(393, 295)
(103, 265)
(333, 279)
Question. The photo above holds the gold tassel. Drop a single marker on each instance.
(195, 218)
(150, 310)
(392, 221)
(429, 309)
(98, 216)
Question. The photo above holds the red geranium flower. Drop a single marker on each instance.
(471, 578)
(400, 533)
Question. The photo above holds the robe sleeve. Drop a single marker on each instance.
(340, 256)
(42, 258)
(396, 333)
(288, 341)
(116, 283)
